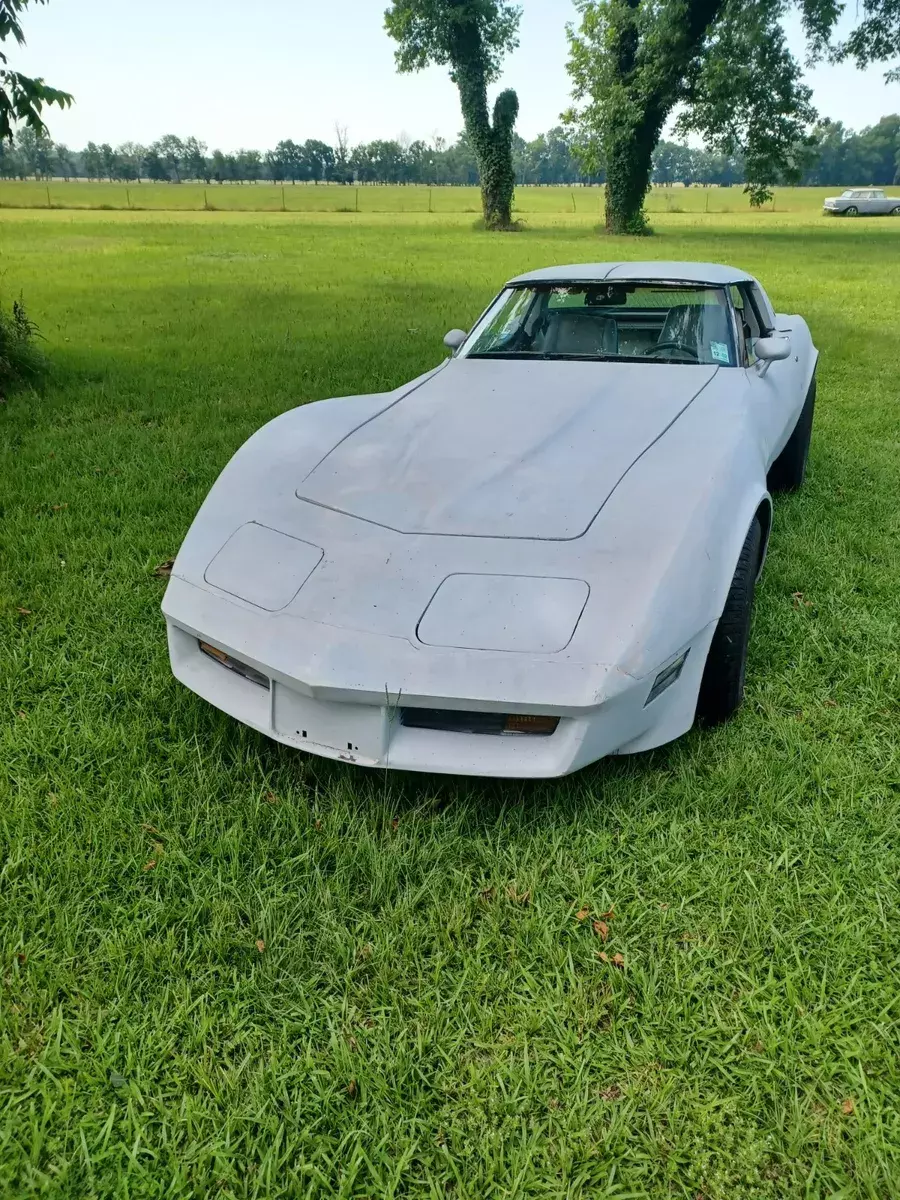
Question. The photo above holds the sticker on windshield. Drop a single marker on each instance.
(719, 351)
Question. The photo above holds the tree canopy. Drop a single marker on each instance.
(724, 64)
(471, 38)
(22, 98)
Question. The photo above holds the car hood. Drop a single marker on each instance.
(509, 449)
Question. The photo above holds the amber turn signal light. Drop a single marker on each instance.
(523, 723)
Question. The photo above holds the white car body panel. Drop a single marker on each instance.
(494, 537)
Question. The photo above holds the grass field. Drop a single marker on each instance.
(268, 197)
(232, 970)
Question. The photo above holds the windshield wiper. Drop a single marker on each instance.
(537, 356)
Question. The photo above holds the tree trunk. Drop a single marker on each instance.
(491, 141)
(629, 163)
(493, 150)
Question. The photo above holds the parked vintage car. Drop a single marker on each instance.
(540, 552)
(862, 202)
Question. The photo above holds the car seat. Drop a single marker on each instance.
(578, 332)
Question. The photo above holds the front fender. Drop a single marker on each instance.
(674, 556)
(261, 478)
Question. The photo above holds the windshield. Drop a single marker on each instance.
(618, 321)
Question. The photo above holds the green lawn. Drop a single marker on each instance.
(227, 969)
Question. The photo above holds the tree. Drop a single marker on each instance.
(471, 37)
(342, 171)
(22, 98)
(10, 161)
(64, 164)
(110, 161)
(316, 160)
(35, 152)
(92, 160)
(219, 167)
(727, 67)
(194, 159)
(130, 157)
(170, 150)
(154, 167)
(249, 165)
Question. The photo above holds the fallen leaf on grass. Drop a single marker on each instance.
(148, 866)
(149, 828)
(59, 507)
(601, 929)
(617, 960)
(165, 568)
(487, 894)
(24, 612)
(800, 600)
(827, 703)
(318, 824)
(395, 824)
(260, 945)
(271, 798)
(21, 959)
(23, 715)
(117, 1080)
(848, 1106)
(607, 916)
(582, 914)
(613, 1092)
(352, 1089)
(517, 897)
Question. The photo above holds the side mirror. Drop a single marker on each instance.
(455, 338)
(772, 349)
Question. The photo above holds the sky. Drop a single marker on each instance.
(236, 74)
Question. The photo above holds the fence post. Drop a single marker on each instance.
(205, 201)
(357, 199)
(572, 194)
(283, 205)
(707, 199)
(128, 196)
(430, 209)
(49, 205)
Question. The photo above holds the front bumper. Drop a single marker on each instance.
(328, 705)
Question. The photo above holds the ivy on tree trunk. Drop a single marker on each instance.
(491, 141)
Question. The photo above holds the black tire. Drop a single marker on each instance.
(788, 471)
(895, 212)
(722, 686)
(852, 211)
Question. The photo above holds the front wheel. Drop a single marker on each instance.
(852, 211)
(722, 686)
(895, 212)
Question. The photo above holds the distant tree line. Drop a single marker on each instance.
(837, 157)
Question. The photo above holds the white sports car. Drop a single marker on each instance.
(539, 553)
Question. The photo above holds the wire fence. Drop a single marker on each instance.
(367, 198)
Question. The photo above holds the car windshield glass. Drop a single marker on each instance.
(620, 321)
(849, 195)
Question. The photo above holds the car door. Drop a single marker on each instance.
(871, 206)
(880, 203)
(774, 389)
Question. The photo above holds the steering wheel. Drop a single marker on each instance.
(683, 346)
